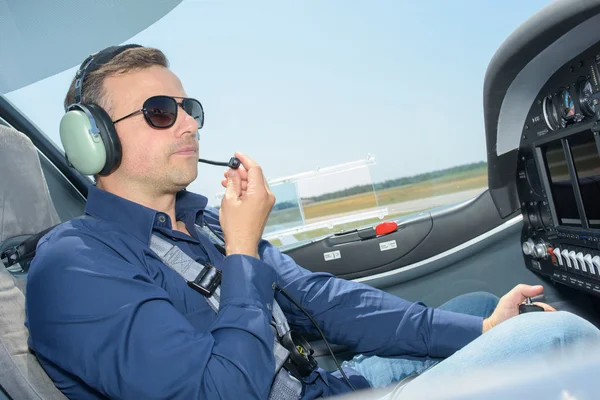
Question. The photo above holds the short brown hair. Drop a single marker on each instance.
(132, 59)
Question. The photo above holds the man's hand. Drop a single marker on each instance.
(508, 306)
(245, 207)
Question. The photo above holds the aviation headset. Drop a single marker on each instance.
(87, 132)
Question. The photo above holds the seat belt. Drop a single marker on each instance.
(23, 251)
(285, 386)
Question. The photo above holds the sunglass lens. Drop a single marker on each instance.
(160, 111)
(194, 109)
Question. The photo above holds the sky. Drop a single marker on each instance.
(312, 84)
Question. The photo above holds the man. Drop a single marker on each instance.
(108, 318)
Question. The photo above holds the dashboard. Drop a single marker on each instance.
(558, 175)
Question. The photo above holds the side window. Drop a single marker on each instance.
(68, 202)
(338, 198)
(357, 114)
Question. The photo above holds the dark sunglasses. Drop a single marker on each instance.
(161, 111)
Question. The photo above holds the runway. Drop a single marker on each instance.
(414, 205)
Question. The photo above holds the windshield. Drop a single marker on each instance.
(356, 112)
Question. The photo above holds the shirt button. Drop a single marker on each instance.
(269, 306)
(273, 286)
(161, 218)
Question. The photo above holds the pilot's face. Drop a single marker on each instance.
(165, 160)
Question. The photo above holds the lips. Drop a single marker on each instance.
(188, 150)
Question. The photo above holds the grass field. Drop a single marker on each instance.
(435, 187)
(278, 217)
(447, 184)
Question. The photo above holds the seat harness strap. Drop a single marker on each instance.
(206, 279)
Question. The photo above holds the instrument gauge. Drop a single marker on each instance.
(586, 101)
(567, 105)
(550, 113)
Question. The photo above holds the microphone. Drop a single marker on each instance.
(234, 162)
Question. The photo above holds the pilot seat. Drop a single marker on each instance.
(25, 210)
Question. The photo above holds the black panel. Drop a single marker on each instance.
(561, 187)
(529, 40)
(456, 226)
(496, 269)
(357, 258)
(501, 185)
(587, 166)
(565, 245)
(419, 239)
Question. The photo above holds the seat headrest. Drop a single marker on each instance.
(25, 203)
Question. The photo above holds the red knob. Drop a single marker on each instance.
(386, 227)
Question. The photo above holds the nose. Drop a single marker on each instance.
(187, 124)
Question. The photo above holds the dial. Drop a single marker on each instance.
(550, 113)
(545, 216)
(586, 101)
(567, 105)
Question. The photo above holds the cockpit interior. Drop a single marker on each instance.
(537, 223)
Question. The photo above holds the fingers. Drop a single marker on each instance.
(244, 184)
(246, 161)
(251, 175)
(545, 306)
(233, 188)
(267, 186)
(522, 291)
(241, 171)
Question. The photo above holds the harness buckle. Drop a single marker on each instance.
(10, 256)
(207, 281)
(300, 362)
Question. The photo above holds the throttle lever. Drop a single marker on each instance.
(528, 306)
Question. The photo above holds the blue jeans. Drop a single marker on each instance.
(519, 337)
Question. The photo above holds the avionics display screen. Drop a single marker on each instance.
(587, 165)
(560, 184)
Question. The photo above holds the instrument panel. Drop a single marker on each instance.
(558, 176)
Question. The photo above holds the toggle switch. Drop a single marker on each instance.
(565, 254)
(581, 262)
(573, 258)
(588, 261)
(596, 262)
(558, 255)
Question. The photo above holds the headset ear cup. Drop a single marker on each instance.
(81, 140)
(112, 144)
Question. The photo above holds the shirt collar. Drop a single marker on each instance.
(134, 217)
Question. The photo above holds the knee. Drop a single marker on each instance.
(560, 328)
(484, 298)
(481, 304)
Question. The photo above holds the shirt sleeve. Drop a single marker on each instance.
(96, 316)
(368, 320)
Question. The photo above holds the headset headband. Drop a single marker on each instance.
(93, 62)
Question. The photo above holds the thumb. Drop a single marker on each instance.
(234, 185)
(529, 291)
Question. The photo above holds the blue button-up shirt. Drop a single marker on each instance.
(108, 318)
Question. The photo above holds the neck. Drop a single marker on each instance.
(160, 201)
